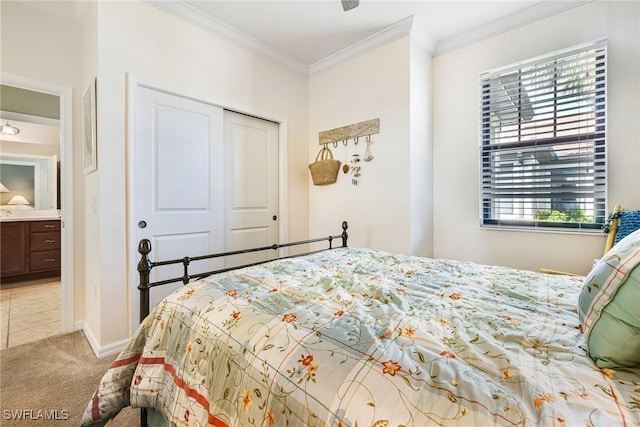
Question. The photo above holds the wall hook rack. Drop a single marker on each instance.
(353, 131)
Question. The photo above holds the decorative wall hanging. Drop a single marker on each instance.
(355, 169)
(325, 169)
(345, 166)
(344, 134)
(90, 150)
(367, 153)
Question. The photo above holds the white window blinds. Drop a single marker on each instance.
(543, 139)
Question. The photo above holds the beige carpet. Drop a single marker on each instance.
(55, 378)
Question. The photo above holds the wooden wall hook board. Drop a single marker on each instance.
(353, 131)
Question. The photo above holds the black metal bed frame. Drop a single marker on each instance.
(145, 266)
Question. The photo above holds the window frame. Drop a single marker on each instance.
(489, 145)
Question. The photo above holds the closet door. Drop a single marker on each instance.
(178, 192)
(251, 196)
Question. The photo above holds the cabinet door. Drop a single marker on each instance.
(13, 248)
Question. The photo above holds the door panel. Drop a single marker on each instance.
(13, 248)
(174, 246)
(248, 149)
(178, 198)
(251, 219)
(182, 160)
(203, 180)
(250, 238)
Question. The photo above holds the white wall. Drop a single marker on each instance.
(390, 208)
(156, 49)
(421, 155)
(374, 85)
(455, 106)
(88, 189)
(36, 46)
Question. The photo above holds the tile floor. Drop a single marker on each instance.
(30, 311)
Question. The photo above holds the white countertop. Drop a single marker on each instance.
(29, 215)
(29, 218)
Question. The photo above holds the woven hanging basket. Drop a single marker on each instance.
(324, 170)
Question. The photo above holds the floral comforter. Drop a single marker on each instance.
(356, 337)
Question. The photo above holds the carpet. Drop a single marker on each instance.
(50, 382)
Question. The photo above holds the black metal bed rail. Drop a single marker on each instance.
(145, 265)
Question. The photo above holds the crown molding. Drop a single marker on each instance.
(526, 16)
(189, 14)
(387, 35)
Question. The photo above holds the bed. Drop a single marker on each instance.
(362, 337)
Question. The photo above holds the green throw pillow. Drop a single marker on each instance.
(609, 306)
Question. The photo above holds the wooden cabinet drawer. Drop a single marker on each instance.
(47, 260)
(44, 241)
(37, 226)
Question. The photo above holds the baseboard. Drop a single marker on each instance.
(98, 350)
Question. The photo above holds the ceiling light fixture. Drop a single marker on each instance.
(7, 129)
(349, 4)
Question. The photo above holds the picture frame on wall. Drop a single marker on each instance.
(89, 128)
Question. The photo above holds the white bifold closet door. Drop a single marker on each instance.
(251, 196)
(203, 180)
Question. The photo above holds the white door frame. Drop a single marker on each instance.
(132, 222)
(64, 93)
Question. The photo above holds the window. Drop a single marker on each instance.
(543, 140)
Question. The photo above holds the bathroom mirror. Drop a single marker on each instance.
(34, 178)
